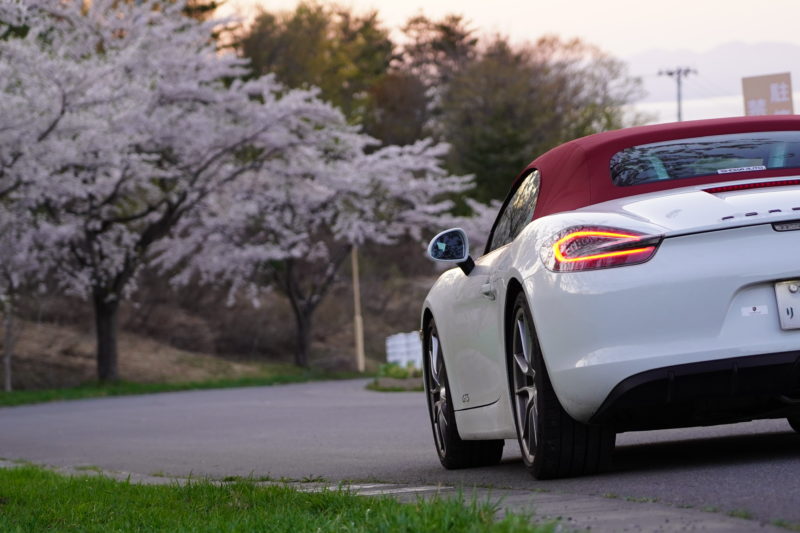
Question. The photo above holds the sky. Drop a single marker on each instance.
(650, 35)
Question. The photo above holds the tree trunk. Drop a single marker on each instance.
(303, 332)
(8, 346)
(304, 305)
(105, 319)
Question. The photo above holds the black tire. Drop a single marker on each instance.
(552, 443)
(794, 421)
(453, 452)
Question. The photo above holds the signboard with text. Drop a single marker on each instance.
(768, 95)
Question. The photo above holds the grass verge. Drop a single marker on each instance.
(33, 499)
(393, 377)
(374, 386)
(124, 388)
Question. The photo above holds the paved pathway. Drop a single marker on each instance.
(338, 431)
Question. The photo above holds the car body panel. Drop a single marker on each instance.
(692, 209)
(493, 421)
(477, 355)
(629, 326)
(621, 321)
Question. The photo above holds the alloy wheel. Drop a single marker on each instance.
(525, 389)
(437, 392)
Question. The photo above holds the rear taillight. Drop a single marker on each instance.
(589, 248)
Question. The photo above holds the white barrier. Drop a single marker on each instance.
(404, 348)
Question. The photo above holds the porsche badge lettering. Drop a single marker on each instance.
(787, 226)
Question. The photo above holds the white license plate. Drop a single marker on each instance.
(788, 295)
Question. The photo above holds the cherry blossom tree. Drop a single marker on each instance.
(290, 226)
(18, 270)
(141, 120)
(40, 95)
(127, 137)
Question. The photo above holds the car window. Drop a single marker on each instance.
(516, 213)
(704, 156)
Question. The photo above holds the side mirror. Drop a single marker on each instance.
(452, 246)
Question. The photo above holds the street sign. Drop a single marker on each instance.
(768, 95)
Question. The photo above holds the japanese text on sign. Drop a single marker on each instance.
(768, 95)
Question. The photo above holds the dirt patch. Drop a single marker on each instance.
(50, 356)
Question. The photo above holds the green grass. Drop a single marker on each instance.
(373, 386)
(33, 499)
(88, 468)
(125, 388)
(640, 499)
(396, 371)
(785, 524)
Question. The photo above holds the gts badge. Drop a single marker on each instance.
(465, 398)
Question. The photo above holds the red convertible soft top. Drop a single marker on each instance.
(577, 173)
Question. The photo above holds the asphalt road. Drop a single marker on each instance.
(339, 431)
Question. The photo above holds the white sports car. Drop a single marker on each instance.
(636, 279)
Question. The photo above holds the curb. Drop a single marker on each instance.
(570, 512)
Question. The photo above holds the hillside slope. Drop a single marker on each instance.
(48, 356)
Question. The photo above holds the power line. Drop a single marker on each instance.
(678, 73)
(705, 90)
(713, 85)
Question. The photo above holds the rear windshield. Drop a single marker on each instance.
(704, 156)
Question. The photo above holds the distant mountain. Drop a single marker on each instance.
(719, 70)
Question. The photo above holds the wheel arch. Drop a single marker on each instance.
(427, 316)
(514, 288)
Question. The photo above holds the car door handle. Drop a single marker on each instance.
(488, 291)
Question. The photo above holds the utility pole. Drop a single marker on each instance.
(678, 73)
(358, 322)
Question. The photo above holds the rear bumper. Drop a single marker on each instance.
(705, 393)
